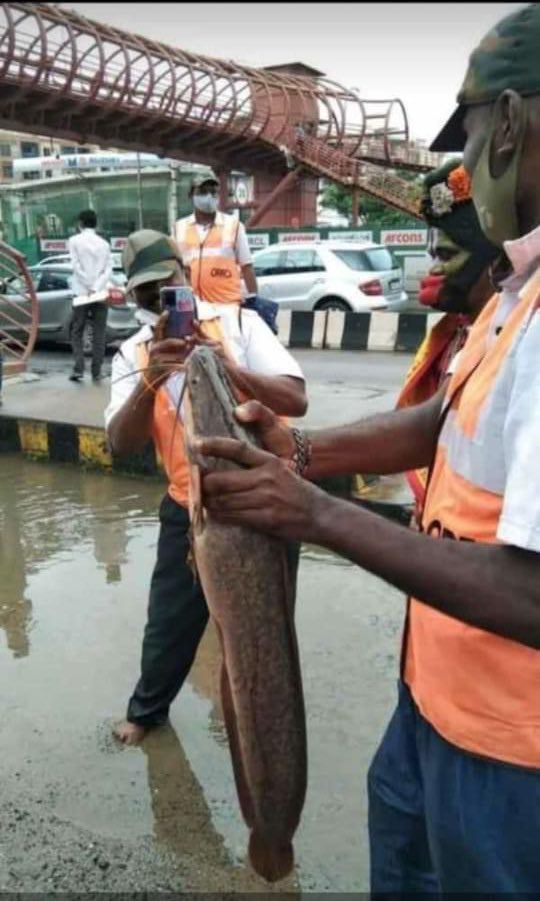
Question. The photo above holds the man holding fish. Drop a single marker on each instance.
(454, 788)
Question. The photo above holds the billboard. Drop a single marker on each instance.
(53, 245)
(405, 237)
(350, 236)
(298, 237)
(258, 242)
(69, 162)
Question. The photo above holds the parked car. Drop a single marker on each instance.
(330, 275)
(57, 258)
(54, 293)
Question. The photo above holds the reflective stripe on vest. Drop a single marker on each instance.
(478, 690)
(214, 273)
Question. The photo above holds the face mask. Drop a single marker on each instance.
(146, 317)
(495, 198)
(205, 203)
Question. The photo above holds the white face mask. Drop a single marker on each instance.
(205, 203)
(146, 317)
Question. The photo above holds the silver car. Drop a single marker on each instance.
(54, 292)
(62, 258)
(330, 275)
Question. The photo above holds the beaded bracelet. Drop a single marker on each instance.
(301, 458)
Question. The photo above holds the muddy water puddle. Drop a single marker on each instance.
(76, 555)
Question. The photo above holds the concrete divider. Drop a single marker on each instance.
(60, 442)
(335, 326)
(302, 328)
(86, 446)
(383, 331)
(337, 330)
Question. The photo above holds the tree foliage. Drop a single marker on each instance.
(372, 213)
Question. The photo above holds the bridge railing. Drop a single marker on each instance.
(19, 312)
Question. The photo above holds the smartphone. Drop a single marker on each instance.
(179, 301)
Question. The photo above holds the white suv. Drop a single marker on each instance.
(330, 275)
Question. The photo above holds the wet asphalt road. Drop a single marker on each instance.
(342, 385)
(80, 813)
(380, 371)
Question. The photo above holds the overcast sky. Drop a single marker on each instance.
(415, 51)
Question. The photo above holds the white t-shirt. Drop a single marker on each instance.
(506, 452)
(254, 347)
(520, 520)
(91, 259)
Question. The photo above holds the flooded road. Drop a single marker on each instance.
(80, 813)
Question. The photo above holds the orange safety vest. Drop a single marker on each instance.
(425, 377)
(214, 273)
(477, 689)
(167, 428)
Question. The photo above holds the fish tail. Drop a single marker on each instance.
(270, 861)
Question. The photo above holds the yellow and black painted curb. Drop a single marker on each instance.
(87, 446)
(59, 442)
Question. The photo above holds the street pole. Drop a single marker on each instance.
(222, 174)
(139, 191)
(173, 208)
(89, 186)
(355, 206)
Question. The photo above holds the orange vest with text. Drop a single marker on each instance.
(478, 690)
(214, 273)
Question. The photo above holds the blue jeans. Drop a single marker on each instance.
(442, 820)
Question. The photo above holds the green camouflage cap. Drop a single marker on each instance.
(149, 256)
(507, 58)
(202, 179)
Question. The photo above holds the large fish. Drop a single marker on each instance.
(249, 583)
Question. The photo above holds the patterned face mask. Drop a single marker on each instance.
(495, 198)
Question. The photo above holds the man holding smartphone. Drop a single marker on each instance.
(214, 247)
(146, 385)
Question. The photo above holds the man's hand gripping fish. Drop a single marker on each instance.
(250, 593)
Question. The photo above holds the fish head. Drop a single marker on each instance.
(203, 368)
(210, 392)
(211, 398)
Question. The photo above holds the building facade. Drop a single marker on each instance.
(16, 145)
(45, 209)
